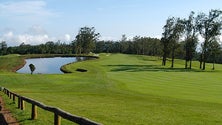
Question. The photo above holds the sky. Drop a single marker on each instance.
(38, 21)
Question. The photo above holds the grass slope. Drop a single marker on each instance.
(124, 89)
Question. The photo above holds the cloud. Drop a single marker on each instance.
(33, 39)
(220, 38)
(25, 10)
(34, 35)
(158, 36)
(25, 7)
(8, 34)
(15, 40)
(36, 30)
(67, 37)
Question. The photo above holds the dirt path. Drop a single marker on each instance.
(6, 117)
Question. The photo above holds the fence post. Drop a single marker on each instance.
(19, 102)
(5, 91)
(13, 96)
(57, 119)
(34, 112)
(22, 104)
(10, 95)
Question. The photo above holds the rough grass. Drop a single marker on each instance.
(122, 89)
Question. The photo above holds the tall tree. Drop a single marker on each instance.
(214, 50)
(178, 29)
(85, 40)
(209, 27)
(171, 35)
(166, 37)
(123, 44)
(190, 39)
(137, 45)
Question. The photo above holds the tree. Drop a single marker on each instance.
(165, 40)
(178, 29)
(49, 46)
(209, 27)
(190, 39)
(32, 68)
(137, 45)
(85, 40)
(3, 48)
(172, 32)
(214, 50)
(123, 44)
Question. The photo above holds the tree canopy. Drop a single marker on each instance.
(85, 40)
(32, 68)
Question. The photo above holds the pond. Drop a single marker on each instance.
(48, 65)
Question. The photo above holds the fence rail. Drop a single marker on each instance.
(58, 113)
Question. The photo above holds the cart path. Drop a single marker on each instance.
(6, 117)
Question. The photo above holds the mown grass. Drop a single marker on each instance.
(122, 89)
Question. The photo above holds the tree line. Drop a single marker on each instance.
(139, 45)
(208, 26)
(179, 40)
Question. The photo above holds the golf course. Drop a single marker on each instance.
(120, 89)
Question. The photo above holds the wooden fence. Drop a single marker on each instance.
(58, 113)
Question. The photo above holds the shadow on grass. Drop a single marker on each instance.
(157, 68)
(2, 120)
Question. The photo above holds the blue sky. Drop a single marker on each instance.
(38, 21)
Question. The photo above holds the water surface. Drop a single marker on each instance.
(47, 65)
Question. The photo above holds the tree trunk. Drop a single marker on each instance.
(186, 64)
(213, 63)
(204, 60)
(205, 53)
(213, 66)
(204, 64)
(190, 64)
(172, 63)
(164, 61)
(201, 60)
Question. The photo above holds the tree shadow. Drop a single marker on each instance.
(141, 68)
(2, 120)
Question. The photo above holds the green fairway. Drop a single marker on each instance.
(121, 89)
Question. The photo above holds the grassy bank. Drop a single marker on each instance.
(122, 89)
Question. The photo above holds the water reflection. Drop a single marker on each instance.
(48, 65)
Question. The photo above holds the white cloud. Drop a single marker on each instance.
(34, 35)
(25, 10)
(67, 37)
(36, 30)
(158, 36)
(8, 34)
(25, 7)
(15, 40)
(220, 38)
(33, 39)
